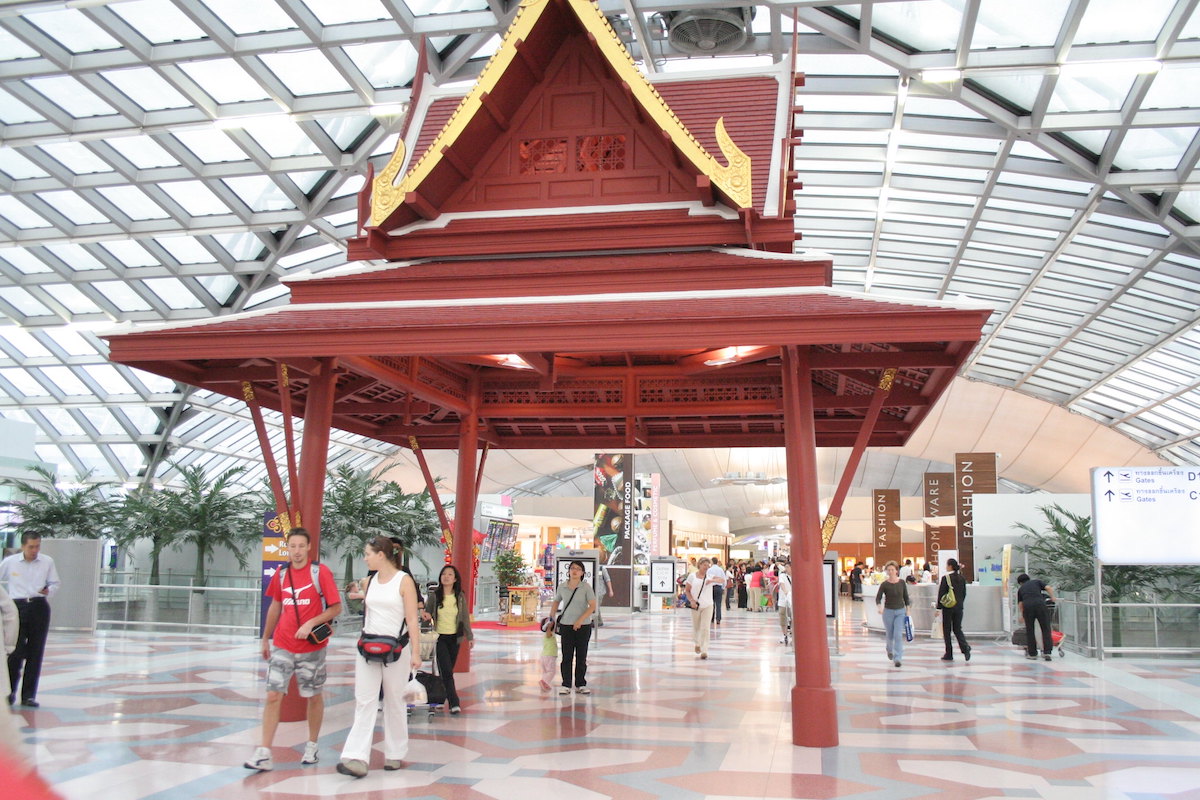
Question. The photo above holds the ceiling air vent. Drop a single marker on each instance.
(710, 31)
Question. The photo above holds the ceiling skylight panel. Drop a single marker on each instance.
(221, 288)
(1018, 23)
(130, 253)
(23, 261)
(154, 384)
(186, 250)
(73, 207)
(142, 151)
(936, 107)
(268, 296)
(1092, 141)
(1016, 90)
(73, 30)
(76, 157)
(24, 303)
(159, 21)
(930, 26)
(260, 193)
(195, 198)
(20, 214)
(251, 16)
(1090, 93)
(337, 12)
(14, 112)
(70, 298)
(25, 344)
(1107, 21)
(13, 49)
(242, 246)
(109, 380)
(24, 383)
(346, 132)
(280, 137)
(75, 257)
(133, 202)
(60, 421)
(224, 80)
(71, 96)
(305, 72)
(121, 295)
(64, 380)
(1174, 86)
(210, 145)
(384, 64)
(173, 293)
(1028, 207)
(147, 88)
(1154, 148)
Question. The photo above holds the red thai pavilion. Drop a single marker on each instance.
(570, 255)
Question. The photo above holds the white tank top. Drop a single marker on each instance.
(385, 606)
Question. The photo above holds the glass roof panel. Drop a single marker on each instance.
(1116, 21)
(76, 257)
(1174, 87)
(433, 7)
(305, 72)
(1092, 141)
(159, 21)
(142, 151)
(13, 49)
(130, 253)
(196, 198)
(20, 214)
(108, 378)
(121, 295)
(224, 80)
(73, 207)
(73, 30)
(76, 157)
(1192, 29)
(929, 26)
(280, 137)
(221, 287)
(1017, 90)
(147, 88)
(25, 343)
(156, 384)
(22, 301)
(173, 293)
(23, 260)
(242, 246)
(1189, 203)
(14, 112)
(345, 131)
(22, 381)
(1018, 23)
(71, 96)
(336, 12)
(251, 16)
(384, 64)
(186, 250)
(210, 145)
(71, 298)
(69, 339)
(1153, 148)
(133, 202)
(1090, 93)
(260, 193)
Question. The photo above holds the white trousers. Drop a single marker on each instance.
(368, 677)
(701, 622)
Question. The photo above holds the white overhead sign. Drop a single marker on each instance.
(1146, 515)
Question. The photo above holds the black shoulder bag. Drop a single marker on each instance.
(321, 632)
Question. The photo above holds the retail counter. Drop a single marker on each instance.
(981, 611)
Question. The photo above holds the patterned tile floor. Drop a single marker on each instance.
(172, 717)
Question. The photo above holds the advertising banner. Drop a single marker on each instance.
(939, 502)
(885, 511)
(974, 473)
(612, 523)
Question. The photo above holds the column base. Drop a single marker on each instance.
(814, 717)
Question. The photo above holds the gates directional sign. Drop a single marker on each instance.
(1146, 515)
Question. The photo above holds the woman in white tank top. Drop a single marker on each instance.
(391, 603)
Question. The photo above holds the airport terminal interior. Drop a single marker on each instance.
(175, 162)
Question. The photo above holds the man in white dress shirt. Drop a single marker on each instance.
(717, 576)
(31, 580)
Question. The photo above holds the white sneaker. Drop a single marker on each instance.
(261, 760)
(310, 753)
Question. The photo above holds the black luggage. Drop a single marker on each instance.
(1018, 637)
(434, 689)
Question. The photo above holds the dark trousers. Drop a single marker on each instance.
(574, 654)
(1034, 614)
(718, 591)
(34, 615)
(446, 653)
(952, 623)
(743, 596)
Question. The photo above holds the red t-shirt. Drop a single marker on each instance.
(304, 606)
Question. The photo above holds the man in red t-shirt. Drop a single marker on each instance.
(296, 609)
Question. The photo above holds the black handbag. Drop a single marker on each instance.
(320, 633)
(435, 690)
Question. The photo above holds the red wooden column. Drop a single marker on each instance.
(814, 702)
(314, 453)
(464, 508)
